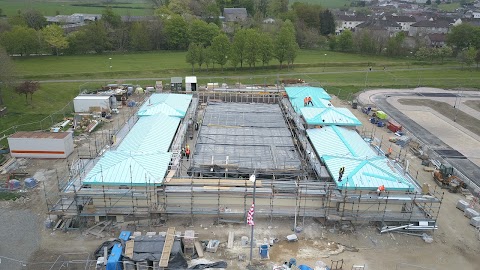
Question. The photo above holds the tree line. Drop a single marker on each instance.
(462, 41)
(249, 47)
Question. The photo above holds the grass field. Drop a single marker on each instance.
(449, 7)
(164, 64)
(326, 3)
(51, 7)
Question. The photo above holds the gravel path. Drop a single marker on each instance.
(19, 237)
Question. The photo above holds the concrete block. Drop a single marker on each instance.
(120, 219)
(475, 221)
(470, 213)
(151, 233)
(462, 205)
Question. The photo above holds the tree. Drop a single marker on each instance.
(220, 49)
(97, 37)
(327, 23)
(27, 88)
(345, 41)
(365, 42)
(463, 36)
(200, 32)
(266, 49)
(438, 2)
(207, 56)
(429, 2)
(423, 54)
(332, 42)
(285, 43)
(192, 55)
(179, 6)
(176, 31)
(252, 47)
(20, 40)
(6, 72)
(140, 39)
(445, 51)
(394, 44)
(111, 19)
(34, 19)
(477, 59)
(468, 56)
(277, 7)
(53, 35)
(78, 43)
(239, 47)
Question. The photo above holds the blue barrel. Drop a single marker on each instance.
(264, 251)
(292, 261)
(304, 267)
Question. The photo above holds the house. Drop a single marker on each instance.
(404, 21)
(269, 20)
(381, 27)
(431, 26)
(436, 40)
(235, 14)
(348, 22)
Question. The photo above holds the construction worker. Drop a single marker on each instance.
(187, 152)
(340, 174)
(309, 101)
(389, 152)
(380, 189)
(305, 101)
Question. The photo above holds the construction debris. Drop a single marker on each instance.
(98, 228)
(213, 246)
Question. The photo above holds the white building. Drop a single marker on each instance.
(41, 144)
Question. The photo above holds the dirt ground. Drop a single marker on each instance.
(456, 244)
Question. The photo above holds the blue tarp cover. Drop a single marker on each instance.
(113, 262)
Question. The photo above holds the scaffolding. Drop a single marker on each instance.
(291, 181)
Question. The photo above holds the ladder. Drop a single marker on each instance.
(167, 248)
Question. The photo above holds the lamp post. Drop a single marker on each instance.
(366, 79)
(459, 97)
(110, 63)
(324, 61)
(252, 178)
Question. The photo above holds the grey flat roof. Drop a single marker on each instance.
(252, 136)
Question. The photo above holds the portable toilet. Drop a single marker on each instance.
(191, 83)
(176, 84)
(14, 184)
(30, 182)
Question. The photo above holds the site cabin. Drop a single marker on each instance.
(176, 84)
(191, 83)
(393, 125)
(92, 103)
(41, 144)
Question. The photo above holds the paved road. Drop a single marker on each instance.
(465, 166)
(252, 76)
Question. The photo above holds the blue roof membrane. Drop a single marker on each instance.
(366, 174)
(175, 105)
(151, 134)
(339, 141)
(127, 168)
(329, 116)
(303, 91)
(298, 104)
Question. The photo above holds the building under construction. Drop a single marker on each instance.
(308, 158)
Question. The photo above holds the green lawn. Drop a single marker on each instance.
(167, 63)
(51, 7)
(51, 98)
(449, 7)
(326, 3)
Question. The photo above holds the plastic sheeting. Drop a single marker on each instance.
(220, 264)
(149, 248)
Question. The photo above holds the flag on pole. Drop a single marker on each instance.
(250, 214)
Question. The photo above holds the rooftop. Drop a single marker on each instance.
(339, 141)
(366, 174)
(40, 135)
(169, 104)
(151, 133)
(126, 168)
(329, 116)
(244, 138)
